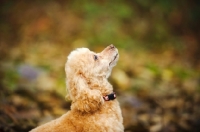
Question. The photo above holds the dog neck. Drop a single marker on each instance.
(103, 86)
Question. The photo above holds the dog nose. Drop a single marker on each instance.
(112, 46)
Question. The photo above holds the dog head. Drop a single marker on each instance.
(91, 64)
(84, 67)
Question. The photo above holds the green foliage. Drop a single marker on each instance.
(154, 68)
(183, 73)
(11, 79)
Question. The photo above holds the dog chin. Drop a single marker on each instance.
(114, 60)
(111, 65)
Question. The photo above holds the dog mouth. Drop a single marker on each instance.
(113, 59)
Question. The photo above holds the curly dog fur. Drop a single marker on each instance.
(87, 84)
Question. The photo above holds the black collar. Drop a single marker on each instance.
(109, 97)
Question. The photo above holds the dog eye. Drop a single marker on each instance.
(95, 57)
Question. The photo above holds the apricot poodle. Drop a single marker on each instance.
(94, 107)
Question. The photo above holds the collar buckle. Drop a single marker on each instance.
(109, 97)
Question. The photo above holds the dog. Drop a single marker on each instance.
(94, 105)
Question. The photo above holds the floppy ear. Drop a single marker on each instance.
(83, 98)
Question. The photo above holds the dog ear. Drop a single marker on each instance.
(83, 98)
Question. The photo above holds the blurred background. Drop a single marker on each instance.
(157, 78)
